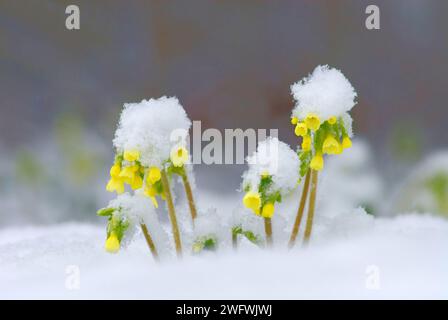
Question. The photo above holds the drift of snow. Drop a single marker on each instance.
(277, 159)
(326, 92)
(153, 127)
(403, 258)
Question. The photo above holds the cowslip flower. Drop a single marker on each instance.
(323, 101)
(273, 173)
(124, 214)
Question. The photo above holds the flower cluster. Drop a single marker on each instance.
(150, 138)
(321, 116)
(273, 172)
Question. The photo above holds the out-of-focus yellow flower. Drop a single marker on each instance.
(112, 244)
(346, 142)
(312, 121)
(294, 120)
(331, 145)
(179, 156)
(268, 210)
(151, 192)
(252, 200)
(332, 120)
(154, 175)
(301, 129)
(306, 143)
(115, 184)
(317, 163)
(131, 155)
(137, 182)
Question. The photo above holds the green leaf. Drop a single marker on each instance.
(105, 212)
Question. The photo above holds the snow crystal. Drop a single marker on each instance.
(277, 159)
(326, 92)
(153, 127)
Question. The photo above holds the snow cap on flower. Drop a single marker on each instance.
(147, 129)
(325, 93)
(276, 159)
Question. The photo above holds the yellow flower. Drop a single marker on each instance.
(128, 173)
(346, 142)
(112, 244)
(268, 210)
(154, 175)
(301, 129)
(151, 192)
(331, 145)
(265, 174)
(137, 182)
(294, 120)
(252, 200)
(131, 155)
(306, 143)
(115, 170)
(179, 156)
(332, 120)
(312, 121)
(317, 163)
(115, 184)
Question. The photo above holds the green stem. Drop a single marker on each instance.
(172, 213)
(189, 194)
(149, 241)
(299, 216)
(268, 230)
(311, 207)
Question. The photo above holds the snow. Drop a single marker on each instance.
(326, 92)
(152, 127)
(406, 254)
(278, 160)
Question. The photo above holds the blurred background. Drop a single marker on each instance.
(231, 64)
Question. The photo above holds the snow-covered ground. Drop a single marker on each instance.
(401, 257)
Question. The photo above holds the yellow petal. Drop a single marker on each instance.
(312, 121)
(179, 156)
(252, 200)
(317, 163)
(131, 155)
(301, 129)
(115, 184)
(332, 120)
(112, 244)
(137, 182)
(294, 120)
(151, 192)
(306, 143)
(154, 175)
(331, 145)
(268, 210)
(128, 172)
(115, 170)
(346, 142)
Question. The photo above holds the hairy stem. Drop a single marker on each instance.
(172, 213)
(311, 207)
(268, 230)
(296, 227)
(189, 194)
(149, 241)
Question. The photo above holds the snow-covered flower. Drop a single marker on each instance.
(321, 115)
(125, 213)
(273, 172)
(145, 130)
